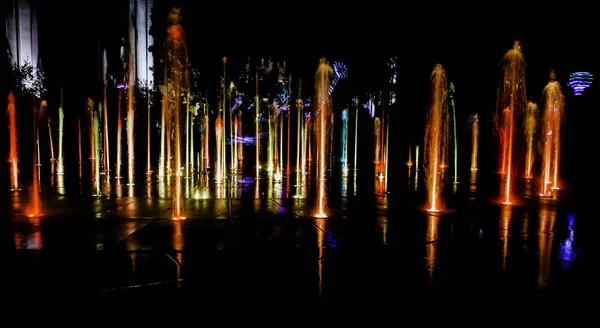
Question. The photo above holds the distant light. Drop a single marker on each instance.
(579, 81)
(120, 86)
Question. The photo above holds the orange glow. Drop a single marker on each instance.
(553, 115)
(13, 157)
(322, 132)
(511, 104)
(436, 139)
(175, 32)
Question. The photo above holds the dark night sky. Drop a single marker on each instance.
(469, 46)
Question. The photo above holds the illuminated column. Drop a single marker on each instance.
(22, 33)
(141, 10)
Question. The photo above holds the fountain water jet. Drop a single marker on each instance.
(436, 139)
(451, 95)
(474, 142)
(94, 145)
(35, 209)
(322, 130)
(131, 104)
(511, 102)
(176, 80)
(218, 140)
(61, 119)
(553, 117)
(119, 132)
(344, 140)
(13, 155)
(530, 127)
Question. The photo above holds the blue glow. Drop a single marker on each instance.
(344, 155)
(579, 81)
(566, 252)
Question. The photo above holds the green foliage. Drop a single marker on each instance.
(28, 80)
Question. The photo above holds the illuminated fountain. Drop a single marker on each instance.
(455, 139)
(119, 132)
(205, 138)
(94, 146)
(436, 139)
(299, 141)
(131, 104)
(511, 102)
(553, 117)
(355, 137)
(106, 153)
(222, 142)
(474, 142)
(322, 130)
(377, 139)
(176, 79)
(257, 124)
(530, 128)
(35, 206)
(344, 141)
(61, 118)
(13, 155)
(163, 133)
(52, 158)
(218, 140)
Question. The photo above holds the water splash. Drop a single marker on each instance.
(511, 102)
(436, 139)
(13, 154)
(553, 117)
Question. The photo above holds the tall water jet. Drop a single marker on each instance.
(474, 142)
(119, 132)
(257, 125)
(218, 141)
(79, 148)
(355, 136)
(344, 143)
(94, 143)
(530, 128)
(299, 129)
(106, 157)
(553, 117)
(289, 125)
(455, 139)
(106, 153)
(35, 209)
(177, 80)
(436, 139)
(511, 102)
(377, 140)
(163, 132)
(13, 154)
(52, 158)
(61, 119)
(322, 130)
(131, 80)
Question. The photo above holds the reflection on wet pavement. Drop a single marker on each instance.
(242, 246)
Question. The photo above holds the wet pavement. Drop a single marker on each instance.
(263, 242)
